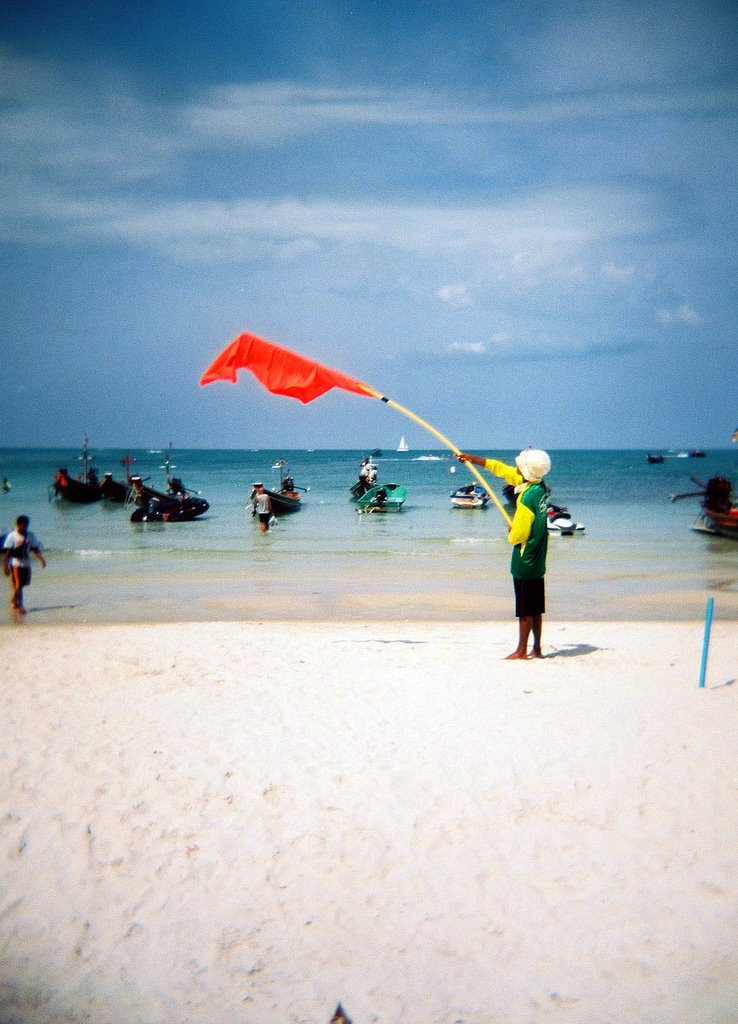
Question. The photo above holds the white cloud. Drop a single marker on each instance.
(683, 314)
(476, 347)
(551, 226)
(456, 295)
(270, 112)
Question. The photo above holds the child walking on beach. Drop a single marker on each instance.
(18, 546)
(529, 536)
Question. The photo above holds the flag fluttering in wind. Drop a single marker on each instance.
(284, 372)
(280, 370)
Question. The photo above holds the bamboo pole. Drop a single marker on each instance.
(445, 441)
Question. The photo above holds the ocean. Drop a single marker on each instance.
(637, 558)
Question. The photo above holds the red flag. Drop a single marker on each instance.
(287, 373)
(280, 371)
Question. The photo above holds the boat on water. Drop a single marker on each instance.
(82, 489)
(368, 471)
(655, 459)
(285, 497)
(177, 504)
(382, 498)
(403, 445)
(560, 521)
(160, 508)
(470, 496)
(118, 490)
(719, 513)
(79, 490)
(114, 490)
(87, 487)
(157, 507)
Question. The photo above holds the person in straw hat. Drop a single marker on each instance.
(528, 534)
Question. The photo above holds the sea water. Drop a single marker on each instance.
(637, 558)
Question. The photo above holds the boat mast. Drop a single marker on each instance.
(86, 459)
(127, 462)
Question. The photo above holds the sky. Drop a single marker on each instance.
(516, 219)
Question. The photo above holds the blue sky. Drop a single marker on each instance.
(517, 219)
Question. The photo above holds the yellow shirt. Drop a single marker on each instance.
(523, 519)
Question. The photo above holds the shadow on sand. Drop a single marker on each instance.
(52, 608)
(573, 651)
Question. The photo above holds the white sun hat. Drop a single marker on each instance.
(533, 464)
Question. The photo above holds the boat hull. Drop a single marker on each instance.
(472, 496)
(77, 491)
(113, 490)
(284, 502)
(383, 498)
(721, 524)
(170, 510)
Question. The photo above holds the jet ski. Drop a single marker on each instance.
(560, 521)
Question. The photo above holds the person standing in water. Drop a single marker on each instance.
(528, 534)
(19, 545)
(262, 507)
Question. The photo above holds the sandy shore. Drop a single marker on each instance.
(246, 823)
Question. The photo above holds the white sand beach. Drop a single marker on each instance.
(246, 823)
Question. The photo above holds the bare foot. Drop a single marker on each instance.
(517, 656)
(537, 654)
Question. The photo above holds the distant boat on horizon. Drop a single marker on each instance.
(402, 446)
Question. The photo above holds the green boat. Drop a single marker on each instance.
(382, 498)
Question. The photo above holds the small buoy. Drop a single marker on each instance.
(452, 469)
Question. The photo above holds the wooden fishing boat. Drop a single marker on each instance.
(470, 496)
(383, 498)
(722, 524)
(177, 505)
(113, 490)
(69, 488)
(81, 490)
(286, 497)
(118, 490)
(719, 515)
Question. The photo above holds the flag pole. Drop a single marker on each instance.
(288, 373)
(445, 441)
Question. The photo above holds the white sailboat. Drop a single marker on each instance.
(402, 446)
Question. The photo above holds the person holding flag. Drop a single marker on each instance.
(528, 533)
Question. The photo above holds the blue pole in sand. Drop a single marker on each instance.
(706, 641)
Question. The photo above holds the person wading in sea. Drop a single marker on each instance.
(262, 507)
